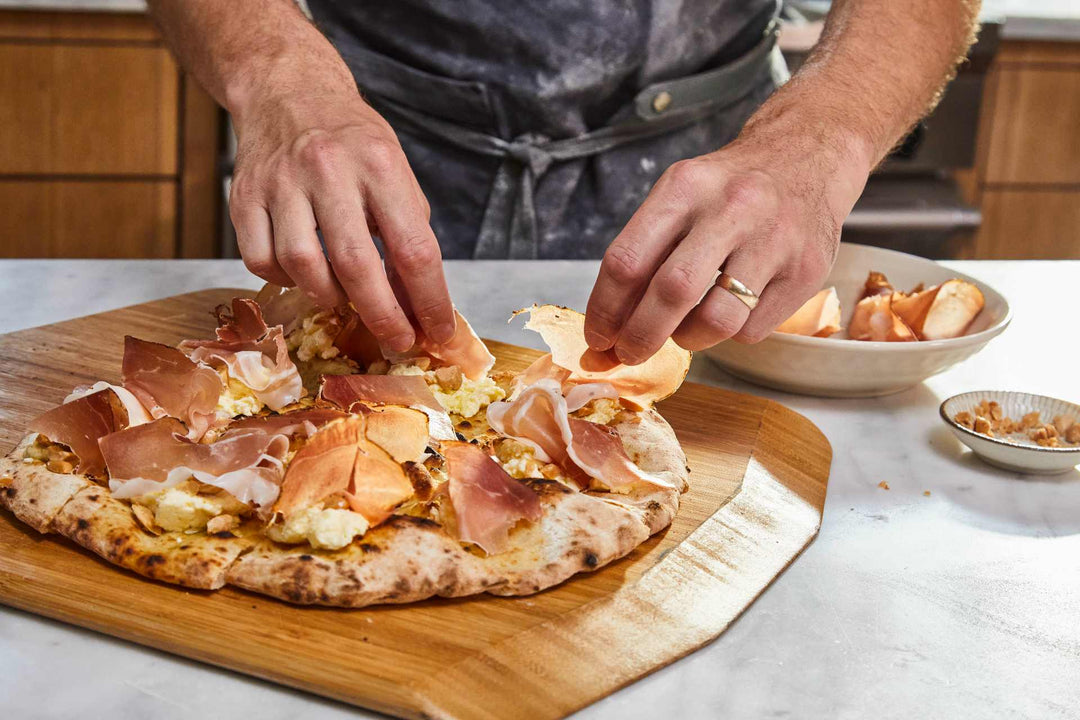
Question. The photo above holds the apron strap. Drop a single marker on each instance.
(509, 227)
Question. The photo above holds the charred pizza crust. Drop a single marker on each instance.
(402, 560)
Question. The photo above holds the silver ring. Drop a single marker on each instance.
(745, 295)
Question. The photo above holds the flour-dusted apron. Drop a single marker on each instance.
(537, 127)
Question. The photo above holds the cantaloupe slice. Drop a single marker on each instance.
(818, 317)
(943, 311)
(875, 320)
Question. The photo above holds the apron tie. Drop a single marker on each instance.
(509, 229)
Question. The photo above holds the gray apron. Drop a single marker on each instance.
(536, 128)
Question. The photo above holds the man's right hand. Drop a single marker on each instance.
(332, 163)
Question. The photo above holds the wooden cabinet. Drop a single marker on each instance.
(106, 148)
(1027, 174)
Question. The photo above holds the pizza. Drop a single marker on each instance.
(290, 455)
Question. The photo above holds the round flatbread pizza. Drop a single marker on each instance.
(290, 455)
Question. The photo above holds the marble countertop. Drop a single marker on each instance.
(961, 604)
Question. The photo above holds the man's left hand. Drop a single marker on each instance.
(764, 209)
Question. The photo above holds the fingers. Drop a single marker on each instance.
(401, 213)
(779, 301)
(358, 267)
(629, 264)
(298, 252)
(254, 236)
(674, 290)
(720, 315)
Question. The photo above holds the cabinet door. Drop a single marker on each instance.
(1035, 126)
(1029, 224)
(80, 109)
(87, 219)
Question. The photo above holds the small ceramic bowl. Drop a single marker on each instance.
(1012, 452)
(838, 367)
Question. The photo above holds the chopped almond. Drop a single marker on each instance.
(145, 517)
(59, 466)
(883, 485)
(1072, 435)
(965, 418)
(222, 524)
(1030, 420)
(982, 426)
(1063, 423)
(449, 378)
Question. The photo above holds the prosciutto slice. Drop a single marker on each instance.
(346, 391)
(245, 462)
(80, 423)
(465, 349)
(539, 417)
(136, 413)
(563, 330)
(255, 355)
(339, 459)
(302, 422)
(355, 341)
(487, 501)
(578, 396)
(599, 452)
(168, 383)
(285, 307)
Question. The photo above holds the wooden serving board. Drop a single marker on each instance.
(758, 478)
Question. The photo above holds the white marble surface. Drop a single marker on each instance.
(963, 604)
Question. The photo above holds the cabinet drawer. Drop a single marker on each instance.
(1034, 136)
(1029, 225)
(105, 219)
(87, 109)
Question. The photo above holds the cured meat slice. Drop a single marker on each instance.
(563, 330)
(79, 424)
(346, 391)
(168, 383)
(255, 355)
(339, 459)
(246, 462)
(487, 501)
(539, 418)
(465, 349)
(136, 413)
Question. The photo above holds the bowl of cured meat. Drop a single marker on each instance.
(884, 321)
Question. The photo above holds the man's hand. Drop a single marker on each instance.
(334, 164)
(766, 215)
(313, 155)
(768, 208)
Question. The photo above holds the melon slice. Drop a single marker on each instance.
(875, 320)
(943, 311)
(818, 317)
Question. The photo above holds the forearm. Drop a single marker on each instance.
(879, 66)
(250, 53)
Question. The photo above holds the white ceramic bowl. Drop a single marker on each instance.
(1010, 452)
(839, 367)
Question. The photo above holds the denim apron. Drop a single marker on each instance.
(536, 128)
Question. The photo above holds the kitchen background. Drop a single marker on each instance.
(108, 150)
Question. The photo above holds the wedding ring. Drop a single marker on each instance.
(747, 296)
